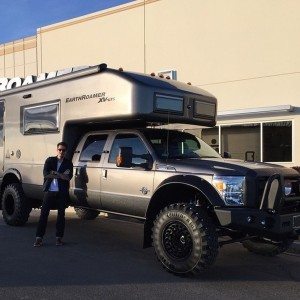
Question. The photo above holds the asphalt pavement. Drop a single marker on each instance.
(104, 259)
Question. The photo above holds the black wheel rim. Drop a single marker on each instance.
(177, 240)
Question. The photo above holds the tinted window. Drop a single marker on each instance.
(40, 119)
(204, 109)
(277, 141)
(129, 140)
(170, 104)
(93, 148)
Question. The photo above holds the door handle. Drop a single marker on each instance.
(77, 171)
(104, 174)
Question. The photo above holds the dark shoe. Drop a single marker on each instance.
(59, 241)
(38, 242)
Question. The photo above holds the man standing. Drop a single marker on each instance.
(58, 172)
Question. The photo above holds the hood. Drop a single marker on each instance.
(229, 167)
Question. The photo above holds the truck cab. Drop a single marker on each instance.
(140, 173)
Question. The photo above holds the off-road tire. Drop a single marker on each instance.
(15, 206)
(86, 214)
(185, 239)
(259, 246)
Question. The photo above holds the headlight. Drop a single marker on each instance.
(231, 189)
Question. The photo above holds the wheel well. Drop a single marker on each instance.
(170, 194)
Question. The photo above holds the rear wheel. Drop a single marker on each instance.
(86, 214)
(259, 246)
(185, 239)
(15, 207)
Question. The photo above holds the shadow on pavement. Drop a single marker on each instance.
(109, 252)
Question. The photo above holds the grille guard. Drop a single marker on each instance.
(273, 193)
(273, 198)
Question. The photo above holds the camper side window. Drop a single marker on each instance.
(40, 118)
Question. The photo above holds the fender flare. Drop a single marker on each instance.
(198, 183)
(12, 171)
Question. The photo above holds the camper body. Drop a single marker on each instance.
(186, 194)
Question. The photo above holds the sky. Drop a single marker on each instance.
(21, 18)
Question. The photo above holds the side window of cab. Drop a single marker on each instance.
(93, 148)
(129, 140)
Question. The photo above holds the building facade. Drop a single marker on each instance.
(246, 53)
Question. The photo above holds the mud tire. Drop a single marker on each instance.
(15, 206)
(185, 239)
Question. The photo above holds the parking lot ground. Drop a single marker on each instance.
(103, 259)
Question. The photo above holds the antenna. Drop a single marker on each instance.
(168, 136)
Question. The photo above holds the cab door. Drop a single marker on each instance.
(127, 190)
(88, 159)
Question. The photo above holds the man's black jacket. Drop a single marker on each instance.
(66, 167)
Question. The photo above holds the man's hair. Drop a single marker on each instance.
(62, 144)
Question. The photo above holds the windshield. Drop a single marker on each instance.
(171, 144)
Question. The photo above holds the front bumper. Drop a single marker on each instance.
(259, 222)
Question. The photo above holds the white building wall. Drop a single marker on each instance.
(246, 52)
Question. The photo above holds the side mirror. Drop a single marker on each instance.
(226, 155)
(124, 158)
(148, 165)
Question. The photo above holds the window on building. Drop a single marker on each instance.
(266, 141)
(241, 141)
(40, 118)
(277, 141)
(211, 137)
(93, 148)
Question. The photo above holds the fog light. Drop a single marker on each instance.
(250, 219)
(263, 222)
(287, 187)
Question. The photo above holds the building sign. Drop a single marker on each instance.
(8, 84)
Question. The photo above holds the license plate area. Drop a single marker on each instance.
(296, 222)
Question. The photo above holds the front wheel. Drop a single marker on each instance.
(185, 239)
(261, 247)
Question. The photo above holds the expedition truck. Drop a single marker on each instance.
(191, 200)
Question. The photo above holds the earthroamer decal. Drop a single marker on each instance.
(102, 97)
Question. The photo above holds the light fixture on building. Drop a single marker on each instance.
(255, 111)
